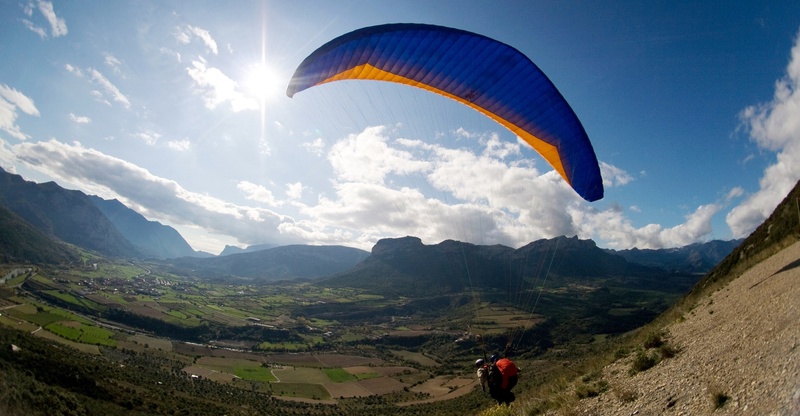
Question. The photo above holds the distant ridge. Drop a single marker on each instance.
(694, 258)
(407, 267)
(151, 238)
(228, 250)
(67, 215)
(279, 263)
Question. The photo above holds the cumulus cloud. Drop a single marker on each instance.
(154, 197)
(218, 88)
(774, 127)
(294, 190)
(476, 195)
(257, 193)
(367, 157)
(614, 176)
(416, 188)
(12, 100)
(471, 195)
(614, 228)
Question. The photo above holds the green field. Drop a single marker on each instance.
(262, 374)
(339, 375)
(83, 333)
(309, 391)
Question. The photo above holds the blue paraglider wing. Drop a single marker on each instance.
(487, 75)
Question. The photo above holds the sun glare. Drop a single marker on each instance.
(263, 82)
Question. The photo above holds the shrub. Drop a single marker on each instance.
(586, 390)
(643, 361)
(668, 351)
(719, 399)
(625, 395)
(499, 410)
(653, 340)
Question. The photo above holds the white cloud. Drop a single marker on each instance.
(474, 197)
(18, 100)
(154, 197)
(205, 36)
(367, 157)
(614, 176)
(184, 37)
(500, 149)
(294, 190)
(109, 88)
(180, 145)
(257, 193)
(112, 62)
(317, 146)
(12, 100)
(149, 137)
(80, 119)
(35, 29)
(614, 228)
(58, 27)
(734, 193)
(462, 194)
(74, 70)
(773, 126)
(218, 88)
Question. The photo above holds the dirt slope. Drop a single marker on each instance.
(739, 353)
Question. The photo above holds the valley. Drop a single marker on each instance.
(308, 342)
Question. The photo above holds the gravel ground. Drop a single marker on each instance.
(738, 353)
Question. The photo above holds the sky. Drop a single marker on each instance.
(178, 109)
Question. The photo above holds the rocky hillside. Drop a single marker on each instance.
(729, 347)
(736, 353)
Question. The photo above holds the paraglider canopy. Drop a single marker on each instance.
(487, 75)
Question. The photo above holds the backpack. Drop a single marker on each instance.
(508, 372)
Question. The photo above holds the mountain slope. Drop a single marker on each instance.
(21, 243)
(732, 343)
(406, 267)
(151, 238)
(739, 350)
(67, 215)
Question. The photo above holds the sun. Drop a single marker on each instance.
(263, 82)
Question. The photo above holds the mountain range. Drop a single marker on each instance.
(39, 219)
(406, 267)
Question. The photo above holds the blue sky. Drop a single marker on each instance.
(178, 109)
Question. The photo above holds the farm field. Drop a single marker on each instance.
(296, 341)
(288, 368)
